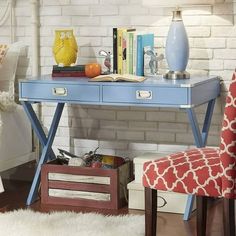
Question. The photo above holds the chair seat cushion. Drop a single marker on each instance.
(195, 171)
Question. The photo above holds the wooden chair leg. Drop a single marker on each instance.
(201, 215)
(150, 211)
(229, 217)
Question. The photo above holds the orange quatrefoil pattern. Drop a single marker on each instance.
(200, 171)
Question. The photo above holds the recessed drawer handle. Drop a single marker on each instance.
(144, 94)
(59, 91)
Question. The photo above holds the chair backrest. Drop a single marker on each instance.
(228, 143)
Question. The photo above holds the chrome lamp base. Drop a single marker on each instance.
(177, 75)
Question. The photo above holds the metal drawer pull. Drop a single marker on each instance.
(59, 91)
(144, 94)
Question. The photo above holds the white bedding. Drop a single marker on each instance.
(15, 129)
(15, 139)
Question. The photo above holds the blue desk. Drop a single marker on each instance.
(153, 92)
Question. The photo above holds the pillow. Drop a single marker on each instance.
(7, 77)
(3, 52)
(9, 66)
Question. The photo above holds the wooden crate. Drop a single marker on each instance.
(83, 186)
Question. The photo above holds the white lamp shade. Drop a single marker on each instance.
(1, 185)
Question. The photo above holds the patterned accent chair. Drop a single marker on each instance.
(204, 172)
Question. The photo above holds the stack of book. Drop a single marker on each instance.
(128, 50)
(68, 71)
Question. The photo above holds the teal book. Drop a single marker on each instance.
(143, 40)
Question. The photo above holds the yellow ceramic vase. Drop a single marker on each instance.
(65, 48)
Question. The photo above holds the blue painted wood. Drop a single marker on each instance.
(45, 154)
(195, 127)
(189, 207)
(207, 121)
(128, 94)
(152, 81)
(165, 93)
(89, 92)
(204, 91)
(36, 126)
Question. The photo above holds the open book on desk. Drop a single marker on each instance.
(117, 78)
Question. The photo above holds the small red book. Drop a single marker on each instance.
(69, 74)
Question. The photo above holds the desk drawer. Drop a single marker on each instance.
(145, 95)
(60, 92)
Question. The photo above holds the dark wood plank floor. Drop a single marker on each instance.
(168, 224)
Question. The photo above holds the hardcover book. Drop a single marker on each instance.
(119, 51)
(114, 50)
(57, 68)
(122, 37)
(124, 52)
(68, 71)
(117, 78)
(142, 41)
(129, 53)
(68, 74)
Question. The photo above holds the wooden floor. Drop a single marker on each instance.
(168, 224)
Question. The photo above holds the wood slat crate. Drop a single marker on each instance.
(83, 186)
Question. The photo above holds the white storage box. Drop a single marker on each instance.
(176, 202)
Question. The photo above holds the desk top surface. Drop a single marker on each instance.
(152, 92)
(154, 81)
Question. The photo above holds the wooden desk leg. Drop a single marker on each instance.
(150, 211)
(200, 141)
(36, 126)
(46, 144)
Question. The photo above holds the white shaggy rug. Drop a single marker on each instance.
(29, 223)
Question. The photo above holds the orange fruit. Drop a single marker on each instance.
(92, 70)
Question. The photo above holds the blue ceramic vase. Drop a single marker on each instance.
(177, 46)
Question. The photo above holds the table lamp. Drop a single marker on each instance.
(177, 48)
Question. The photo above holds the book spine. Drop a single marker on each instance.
(114, 50)
(130, 53)
(69, 68)
(68, 74)
(119, 50)
(134, 53)
(124, 52)
(139, 53)
(127, 53)
(143, 41)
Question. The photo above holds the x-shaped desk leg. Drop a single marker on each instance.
(200, 141)
(46, 143)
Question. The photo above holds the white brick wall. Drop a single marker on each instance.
(127, 130)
